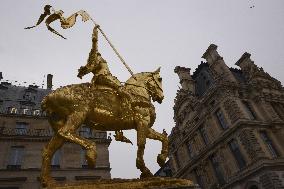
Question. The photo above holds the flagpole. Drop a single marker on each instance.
(114, 49)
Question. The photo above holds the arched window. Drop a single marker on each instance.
(55, 162)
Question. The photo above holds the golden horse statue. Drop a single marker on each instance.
(103, 108)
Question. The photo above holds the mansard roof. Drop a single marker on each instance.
(19, 97)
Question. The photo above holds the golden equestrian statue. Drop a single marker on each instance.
(107, 105)
(103, 104)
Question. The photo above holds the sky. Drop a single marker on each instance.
(147, 34)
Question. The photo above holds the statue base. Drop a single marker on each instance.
(150, 183)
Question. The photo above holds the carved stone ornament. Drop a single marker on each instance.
(251, 145)
(233, 110)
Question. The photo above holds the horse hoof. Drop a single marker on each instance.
(161, 159)
(47, 182)
(146, 174)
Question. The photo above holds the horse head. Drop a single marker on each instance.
(147, 85)
(154, 85)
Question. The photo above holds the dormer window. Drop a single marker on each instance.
(12, 110)
(27, 96)
(26, 111)
(36, 112)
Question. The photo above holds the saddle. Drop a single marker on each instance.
(125, 95)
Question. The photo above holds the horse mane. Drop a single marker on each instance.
(137, 75)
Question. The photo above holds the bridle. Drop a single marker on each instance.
(153, 78)
(147, 83)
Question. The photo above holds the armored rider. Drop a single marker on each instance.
(98, 66)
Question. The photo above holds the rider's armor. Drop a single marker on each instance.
(98, 66)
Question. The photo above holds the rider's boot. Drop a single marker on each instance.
(120, 137)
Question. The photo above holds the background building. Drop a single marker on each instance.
(229, 129)
(24, 130)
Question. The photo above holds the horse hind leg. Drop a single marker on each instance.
(152, 134)
(67, 132)
(54, 144)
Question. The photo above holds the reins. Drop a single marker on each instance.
(136, 86)
(151, 92)
(156, 82)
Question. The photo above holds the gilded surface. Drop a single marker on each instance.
(152, 183)
(104, 104)
(51, 15)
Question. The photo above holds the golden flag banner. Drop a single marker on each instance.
(58, 15)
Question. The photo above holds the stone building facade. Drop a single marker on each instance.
(229, 129)
(24, 130)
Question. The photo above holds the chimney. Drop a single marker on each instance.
(1, 76)
(49, 81)
(186, 80)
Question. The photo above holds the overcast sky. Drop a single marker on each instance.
(148, 34)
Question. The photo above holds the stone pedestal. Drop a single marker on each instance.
(152, 183)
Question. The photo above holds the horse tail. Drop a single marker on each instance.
(47, 103)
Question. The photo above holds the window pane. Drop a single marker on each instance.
(221, 119)
(217, 169)
(85, 132)
(190, 152)
(268, 143)
(204, 135)
(83, 158)
(237, 153)
(16, 155)
(56, 158)
(21, 128)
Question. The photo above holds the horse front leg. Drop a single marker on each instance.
(152, 134)
(67, 132)
(142, 128)
(54, 144)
